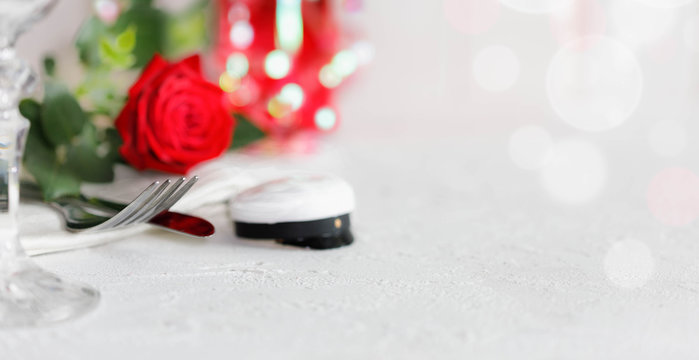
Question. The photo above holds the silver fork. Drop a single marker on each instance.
(156, 198)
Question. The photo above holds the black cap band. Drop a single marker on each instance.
(333, 226)
(317, 234)
(321, 242)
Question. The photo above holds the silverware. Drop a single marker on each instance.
(167, 220)
(91, 214)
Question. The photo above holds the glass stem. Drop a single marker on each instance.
(13, 131)
(29, 295)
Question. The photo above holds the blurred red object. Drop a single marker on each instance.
(281, 61)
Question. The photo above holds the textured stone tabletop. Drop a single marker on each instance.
(456, 256)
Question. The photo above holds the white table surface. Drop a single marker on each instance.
(457, 256)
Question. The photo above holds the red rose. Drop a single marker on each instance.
(174, 118)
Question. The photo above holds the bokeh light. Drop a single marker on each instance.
(292, 94)
(238, 12)
(328, 77)
(325, 118)
(289, 34)
(344, 63)
(594, 83)
(667, 138)
(631, 19)
(471, 16)
(673, 196)
(242, 34)
(277, 64)
(576, 173)
(237, 65)
(531, 147)
(496, 68)
(629, 264)
(278, 108)
(228, 83)
(536, 6)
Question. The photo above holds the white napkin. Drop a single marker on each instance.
(42, 231)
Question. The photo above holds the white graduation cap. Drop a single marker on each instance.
(308, 210)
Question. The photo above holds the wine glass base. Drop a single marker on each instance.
(32, 296)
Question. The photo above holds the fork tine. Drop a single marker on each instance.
(155, 200)
(164, 199)
(157, 204)
(136, 204)
(159, 201)
(178, 195)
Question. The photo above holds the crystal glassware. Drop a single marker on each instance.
(28, 295)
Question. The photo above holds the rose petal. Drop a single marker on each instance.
(154, 67)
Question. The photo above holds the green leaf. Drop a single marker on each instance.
(61, 116)
(113, 139)
(126, 41)
(107, 51)
(114, 57)
(188, 31)
(115, 52)
(102, 93)
(50, 65)
(41, 161)
(245, 133)
(88, 40)
(30, 109)
(83, 158)
(150, 30)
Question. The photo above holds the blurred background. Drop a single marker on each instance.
(560, 102)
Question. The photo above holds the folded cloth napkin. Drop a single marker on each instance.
(42, 231)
